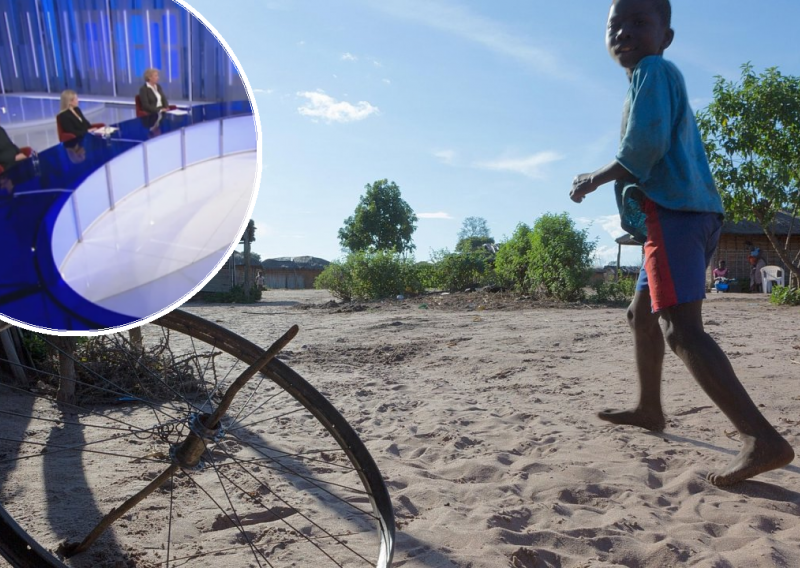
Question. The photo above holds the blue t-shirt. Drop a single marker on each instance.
(661, 146)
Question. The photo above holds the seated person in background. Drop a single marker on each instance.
(10, 154)
(721, 271)
(756, 264)
(70, 118)
(721, 280)
(151, 96)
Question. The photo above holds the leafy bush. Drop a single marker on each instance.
(474, 244)
(426, 272)
(370, 275)
(457, 271)
(560, 258)
(511, 261)
(785, 296)
(336, 279)
(620, 292)
(236, 295)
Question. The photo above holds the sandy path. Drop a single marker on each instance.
(482, 421)
(480, 414)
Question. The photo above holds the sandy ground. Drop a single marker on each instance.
(480, 412)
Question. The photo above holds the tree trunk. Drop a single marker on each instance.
(66, 369)
(783, 254)
(247, 282)
(135, 335)
(12, 356)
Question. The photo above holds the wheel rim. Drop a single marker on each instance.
(288, 482)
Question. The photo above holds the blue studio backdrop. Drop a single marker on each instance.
(102, 47)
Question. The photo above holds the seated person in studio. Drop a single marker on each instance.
(70, 118)
(151, 95)
(76, 153)
(10, 154)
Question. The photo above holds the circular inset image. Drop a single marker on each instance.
(130, 159)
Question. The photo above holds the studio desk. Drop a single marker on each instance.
(48, 203)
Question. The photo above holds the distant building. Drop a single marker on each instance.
(294, 273)
(232, 274)
(738, 239)
(736, 242)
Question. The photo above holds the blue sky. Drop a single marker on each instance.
(474, 108)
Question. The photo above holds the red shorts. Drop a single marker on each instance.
(677, 251)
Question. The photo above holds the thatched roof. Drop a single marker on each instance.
(783, 223)
(295, 263)
(238, 259)
(627, 240)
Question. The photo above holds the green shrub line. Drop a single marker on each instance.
(236, 295)
(785, 296)
(552, 260)
(618, 293)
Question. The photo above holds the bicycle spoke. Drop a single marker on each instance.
(236, 418)
(234, 520)
(268, 419)
(271, 450)
(51, 448)
(169, 525)
(283, 468)
(305, 517)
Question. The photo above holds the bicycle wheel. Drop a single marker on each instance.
(285, 482)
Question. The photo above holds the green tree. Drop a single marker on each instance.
(248, 237)
(751, 131)
(372, 275)
(474, 244)
(474, 227)
(382, 221)
(560, 258)
(511, 262)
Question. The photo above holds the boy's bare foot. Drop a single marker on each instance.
(637, 417)
(757, 456)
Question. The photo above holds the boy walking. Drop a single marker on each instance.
(668, 201)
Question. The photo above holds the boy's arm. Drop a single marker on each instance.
(585, 184)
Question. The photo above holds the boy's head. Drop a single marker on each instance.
(637, 29)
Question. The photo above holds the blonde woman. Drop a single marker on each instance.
(151, 95)
(71, 122)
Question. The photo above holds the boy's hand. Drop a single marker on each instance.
(582, 185)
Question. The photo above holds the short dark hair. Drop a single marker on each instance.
(665, 11)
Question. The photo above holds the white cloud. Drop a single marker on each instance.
(349, 57)
(531, 166)
(376, 63)
(387, 81)
(459, 20)
(264, 91)
(446, 156)
(610, 224)
(437, 215)
(320, 105)
(301, 42)
(605, 254)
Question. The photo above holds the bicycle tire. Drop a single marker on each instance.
(22, 550)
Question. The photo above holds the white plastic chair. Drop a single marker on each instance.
(772, 275)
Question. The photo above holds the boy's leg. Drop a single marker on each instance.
(764, 449)
(648, 343)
